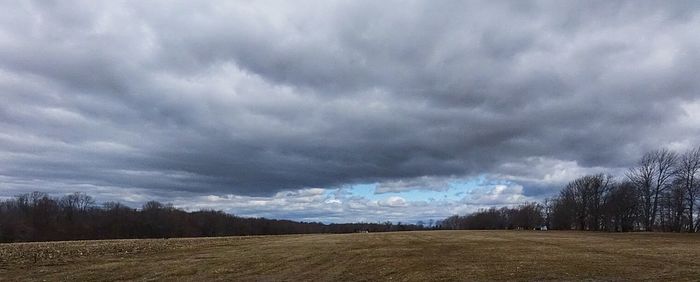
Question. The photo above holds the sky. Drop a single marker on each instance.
(339, 111)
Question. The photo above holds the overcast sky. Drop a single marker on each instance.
(339, 110)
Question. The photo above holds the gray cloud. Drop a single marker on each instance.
(254, 98)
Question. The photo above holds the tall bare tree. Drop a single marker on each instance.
(642, 176)
(665, 162)
(688, 174)
(651, 177)
(599, 186)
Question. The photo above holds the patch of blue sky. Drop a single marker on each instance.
(364, 191)
(456, 190)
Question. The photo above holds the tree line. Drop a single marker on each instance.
(37, 216)
(660, 193)
(526, 216)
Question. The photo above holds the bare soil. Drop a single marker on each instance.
(404, 256)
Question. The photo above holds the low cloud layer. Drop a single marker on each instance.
(253, 99)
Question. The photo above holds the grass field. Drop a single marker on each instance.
(429, 255)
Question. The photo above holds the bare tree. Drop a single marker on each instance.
(651, 177)
(69, 206)
(665, 162)
(547, 213)
(688, 170)
(77, 202)
(84, 201)
(585, 196)
(642, 176)
(599, 186)
(621, 207)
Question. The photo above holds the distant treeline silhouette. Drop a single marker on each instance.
(38, 217)
(660, 193)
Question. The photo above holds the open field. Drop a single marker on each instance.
(429, 255)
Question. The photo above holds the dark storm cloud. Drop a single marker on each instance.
(252, 98)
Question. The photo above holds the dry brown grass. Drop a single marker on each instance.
(421, 256)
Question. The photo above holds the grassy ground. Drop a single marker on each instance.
(430, 255)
